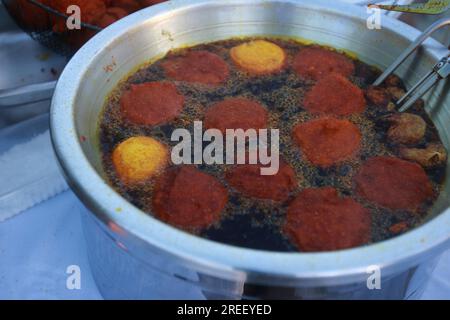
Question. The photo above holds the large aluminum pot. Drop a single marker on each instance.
(136, 256)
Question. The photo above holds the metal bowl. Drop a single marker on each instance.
(133, 255)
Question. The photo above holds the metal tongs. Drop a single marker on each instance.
(440, 71)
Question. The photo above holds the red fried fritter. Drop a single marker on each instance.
(151, 103)
(248, 180)
(316, 63)
(236, 113)
(327, 141)
(335, 95)
(321, 220)
(201, 67)
(189, 199)
(393, 183)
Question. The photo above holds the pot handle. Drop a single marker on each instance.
(26, 94)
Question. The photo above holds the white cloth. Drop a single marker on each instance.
(28, 175)
(37, 247)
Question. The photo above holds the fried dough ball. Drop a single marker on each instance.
(258, 57)
(327, 141)
(396, 92)
(393, 81)
(91, 10)
(378, 96)
(316, 63)
(393, 183)
(111, 15)
(236, 113)
(189, 199)
(105, 21)
(335, 95)
(432, 156)
(406, 128)
(321, 220)
(30, 15)
(151, 103)
(128, 5)
(198, 67)
(399, 227)
(248, 180)
(148, 3)
(116, 12)
(139, 158)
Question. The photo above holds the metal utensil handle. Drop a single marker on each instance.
(439, 72)
(26, 94)
(411, 48)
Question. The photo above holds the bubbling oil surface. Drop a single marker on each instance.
(250, 222)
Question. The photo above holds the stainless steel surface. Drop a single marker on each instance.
(136, 256)
(24, 62)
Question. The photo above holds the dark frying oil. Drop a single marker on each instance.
(249, 222)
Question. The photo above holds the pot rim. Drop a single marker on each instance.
(218, 258)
